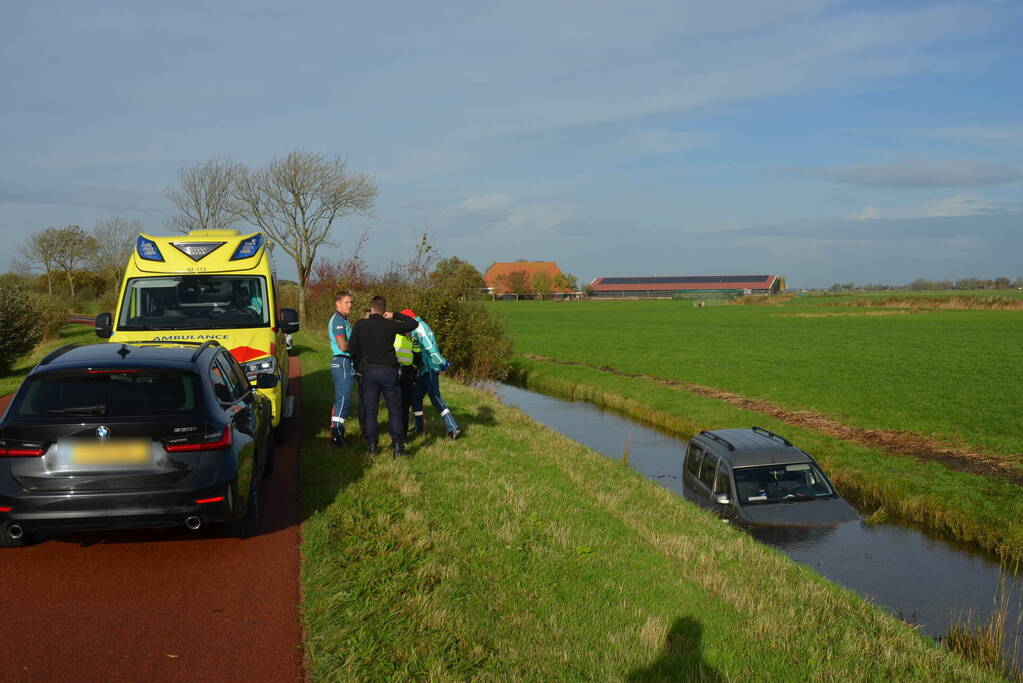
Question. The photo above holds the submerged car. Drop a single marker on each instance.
(754, 477)
(111, 436)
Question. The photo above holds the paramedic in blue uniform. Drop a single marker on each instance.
(339, 330)
(431, 364)
(372, 342)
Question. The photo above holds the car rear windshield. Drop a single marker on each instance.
(780, 483)
(136, 392)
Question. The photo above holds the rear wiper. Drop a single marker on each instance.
(98, 409)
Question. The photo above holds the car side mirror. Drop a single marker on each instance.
(289, 320)
(266, 380)
(104, 325)
(722, 499)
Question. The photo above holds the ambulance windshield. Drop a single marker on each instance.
(191, 302)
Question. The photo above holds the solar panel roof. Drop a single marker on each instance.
(699, 279)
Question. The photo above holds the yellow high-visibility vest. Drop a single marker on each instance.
(403, 349)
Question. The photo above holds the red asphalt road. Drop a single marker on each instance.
(162, 605)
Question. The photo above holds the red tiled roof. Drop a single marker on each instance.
(762, 283)
(529, 267)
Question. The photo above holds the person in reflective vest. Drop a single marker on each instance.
(407, 371)
(427, 383)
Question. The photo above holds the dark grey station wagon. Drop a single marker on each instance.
(754, 477)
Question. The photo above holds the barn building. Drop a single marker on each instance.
(682, 287)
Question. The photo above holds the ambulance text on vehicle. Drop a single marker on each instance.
(209, 284)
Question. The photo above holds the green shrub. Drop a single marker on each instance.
(52, 313)
(21, 325)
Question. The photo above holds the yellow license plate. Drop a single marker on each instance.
(111, 452)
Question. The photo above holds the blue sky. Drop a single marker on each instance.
(824, 141)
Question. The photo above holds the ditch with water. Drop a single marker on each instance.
(919, 578)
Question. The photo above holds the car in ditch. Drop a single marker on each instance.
(141, 435)
(753, 477)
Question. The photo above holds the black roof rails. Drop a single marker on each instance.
(202, 347)
(59, 352)
(714, 436)
(765, 432)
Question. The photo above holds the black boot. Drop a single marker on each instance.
(337, 436)
(372, 448)
(399, 450)
(454, 433)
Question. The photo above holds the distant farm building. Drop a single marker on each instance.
(524, 279)
(684, 287)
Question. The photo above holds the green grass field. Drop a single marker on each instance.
(954, 374)
(517, 554)
(70, 333)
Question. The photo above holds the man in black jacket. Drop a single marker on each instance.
(372, 344)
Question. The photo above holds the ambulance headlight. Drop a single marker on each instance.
(248, 247)
(259, 366)
(147, 249)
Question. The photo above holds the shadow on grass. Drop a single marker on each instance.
(681, 659)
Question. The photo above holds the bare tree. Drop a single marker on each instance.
(296, 200)
(203, 197)
(72, 248)
(38, 254)
(115, 240)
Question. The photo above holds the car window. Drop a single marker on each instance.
(710, 462)
(723, 484)
(222, 387)
(125, 392)
(236, 374)
(693, 459)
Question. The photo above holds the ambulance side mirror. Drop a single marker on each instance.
(104, 325)
(289, 320)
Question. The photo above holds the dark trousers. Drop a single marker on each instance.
(407, 379)
(377, 381)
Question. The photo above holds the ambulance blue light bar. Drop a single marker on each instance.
(249, 247)
(147, 249)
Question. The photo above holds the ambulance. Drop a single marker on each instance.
(209, 284)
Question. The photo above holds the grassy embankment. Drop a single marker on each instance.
(948, 375)
(516, 553)
(70, 333)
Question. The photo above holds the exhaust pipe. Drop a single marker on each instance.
(15, 531)
(193, 523)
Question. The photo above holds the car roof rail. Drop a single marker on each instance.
(761, 430)
(712, 435)
(202, 347)
(59, 352)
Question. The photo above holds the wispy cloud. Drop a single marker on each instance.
(1009, 135)
(958, 205)
(921, 174)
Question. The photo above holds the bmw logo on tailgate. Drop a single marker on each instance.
(102, 432)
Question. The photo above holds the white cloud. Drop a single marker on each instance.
(483, 203)
(1010, 135)
(958, 205)
(923, 174)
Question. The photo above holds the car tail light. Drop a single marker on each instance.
(6, 509)
(203, 501)
(21, 449)
(212, 443)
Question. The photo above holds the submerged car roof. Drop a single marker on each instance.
(750, 448)
(113, 355)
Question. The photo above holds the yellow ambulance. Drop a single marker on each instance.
(209, 284)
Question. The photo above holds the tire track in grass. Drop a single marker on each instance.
(898, 442)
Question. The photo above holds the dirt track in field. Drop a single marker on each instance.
(900, 442)
(161, 605)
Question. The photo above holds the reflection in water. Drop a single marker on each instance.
(921, 580)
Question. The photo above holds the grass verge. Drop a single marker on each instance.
(516, 554)
(959, 505)
(69, 333)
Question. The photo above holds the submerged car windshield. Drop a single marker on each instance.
(132, 392)
(780, 483)
(183, 302)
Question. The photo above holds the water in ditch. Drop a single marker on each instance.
(921, 579)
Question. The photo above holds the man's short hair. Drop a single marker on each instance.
(341, 294)
(378, 304)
